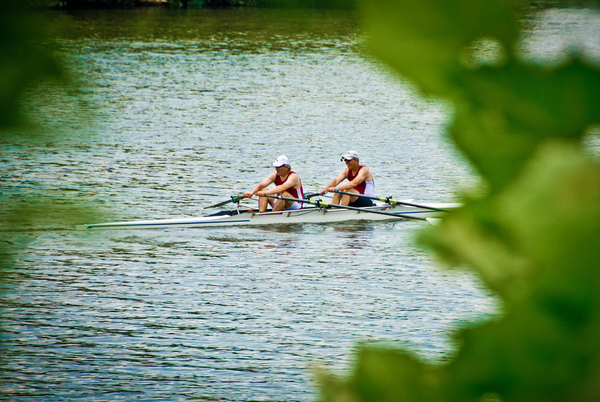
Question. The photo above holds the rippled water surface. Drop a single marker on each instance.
(173, 111)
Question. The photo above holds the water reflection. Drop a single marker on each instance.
(288, 228)
(232, 30)
(354, 227)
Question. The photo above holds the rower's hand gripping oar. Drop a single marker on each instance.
(321, 204)
(389, 200)
(234, 198)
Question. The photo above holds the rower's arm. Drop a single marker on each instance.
(264, 183)
(341, 177)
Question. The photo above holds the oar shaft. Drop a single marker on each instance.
(391, 201)
(234, 198)
(321, 204)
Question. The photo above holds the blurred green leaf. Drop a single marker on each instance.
(464, 51)
(384, 374)
(24, 60)
(423, 40)
(507, 112)
(390, 375)
(545, 347)
(40, 212)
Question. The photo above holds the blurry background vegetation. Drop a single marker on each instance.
(263, 3)
(533, 235)
(200, 3)
(24, 62)
(27, 63)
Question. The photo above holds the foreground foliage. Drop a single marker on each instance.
(25, 64)
(533, 237)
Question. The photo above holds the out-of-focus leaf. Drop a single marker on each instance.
(383, 375)
(463, 51)
(26, 60)
(333, 388)
(23, 60)
(472, 237)
(484, 234)
(45, 212)
(545, 348)
(386, 375)
(541, 102)
(23, 216)
(508, 111)
(423, 40)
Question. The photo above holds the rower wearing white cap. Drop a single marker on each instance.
(360, 181)
(287, 184)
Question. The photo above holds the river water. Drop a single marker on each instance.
(172, 111)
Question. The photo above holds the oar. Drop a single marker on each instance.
(234, 198)
(389, 200)
(321, 204)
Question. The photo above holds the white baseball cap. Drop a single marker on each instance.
(350, 155)
(281, 160)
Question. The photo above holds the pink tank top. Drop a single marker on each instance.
(296, 193)
(362, 186)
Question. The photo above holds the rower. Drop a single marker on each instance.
(287, 184)
(360, 181)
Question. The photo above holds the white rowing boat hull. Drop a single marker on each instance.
(305, 215)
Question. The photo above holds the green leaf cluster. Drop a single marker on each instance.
(27, 61)
(23, 60)
(533, 235)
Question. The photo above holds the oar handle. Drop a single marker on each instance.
(234, 198)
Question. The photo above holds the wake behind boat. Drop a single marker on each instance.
(320, 213)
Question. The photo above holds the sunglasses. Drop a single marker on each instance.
(346, 160)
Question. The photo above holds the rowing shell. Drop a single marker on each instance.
(305, 215)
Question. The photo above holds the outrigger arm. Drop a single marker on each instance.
(389, 200)
(321, 204)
